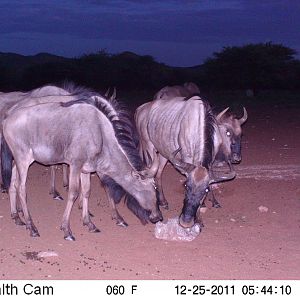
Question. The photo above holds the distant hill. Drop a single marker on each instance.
(14, 60)
(126, 71)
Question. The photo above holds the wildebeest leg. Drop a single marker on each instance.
(80, 200)
(21, 176)
(215, 203)
(65, 176)
(55, 194)
(114, 212)
(85, 194)
(161, 197)
(13, 198)
(72, 196)
(198, 219)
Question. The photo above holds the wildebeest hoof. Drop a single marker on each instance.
(122, 224)
(69, 237)
(19, 222)
(3, 190)
(94, 230)
(34, 233)
(92, 227)
(216, 205)
(58, 197)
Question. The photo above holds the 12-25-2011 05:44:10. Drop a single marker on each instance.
(230, 290)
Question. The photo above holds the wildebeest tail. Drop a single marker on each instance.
(6, 164)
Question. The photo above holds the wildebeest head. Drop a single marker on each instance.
(231, 132)
(145, 194)
(196, 187)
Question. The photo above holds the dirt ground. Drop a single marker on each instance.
(238, 241)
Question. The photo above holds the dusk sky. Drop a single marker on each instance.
(178, 33)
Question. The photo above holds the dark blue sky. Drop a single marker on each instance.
(178, 33)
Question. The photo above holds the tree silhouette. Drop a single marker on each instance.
(253, 66)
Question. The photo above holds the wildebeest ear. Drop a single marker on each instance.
(243, 119)
(221, 114)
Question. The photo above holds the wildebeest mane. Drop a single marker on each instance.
(126, 137)
(210, 124)
(120, 120)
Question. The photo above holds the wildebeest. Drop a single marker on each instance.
(186, 90)
(185, 132)
(229, 126)
(13, 100)
(9, 100)
(90, 135)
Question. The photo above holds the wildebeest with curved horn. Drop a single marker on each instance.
(229, 126)
(185, 132)
(89, 135)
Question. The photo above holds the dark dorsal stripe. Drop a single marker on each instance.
(210, 123)
(123, 128)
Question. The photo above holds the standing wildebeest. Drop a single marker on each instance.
(229, 126)
(185, 132)
(11, 99)
(88, 135)
(186, 90)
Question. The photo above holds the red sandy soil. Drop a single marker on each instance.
(238, 241)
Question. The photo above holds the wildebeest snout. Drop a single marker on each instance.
(186, 222)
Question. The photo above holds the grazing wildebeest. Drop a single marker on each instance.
(229, 126)
(90, 135)
(186, 90)
(185, 132)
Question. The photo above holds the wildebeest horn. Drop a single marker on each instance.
(107, 92)
(229, 176)
(150, 172)
(243, 119)
(221, 114)
(182, 166)
(114, 94)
